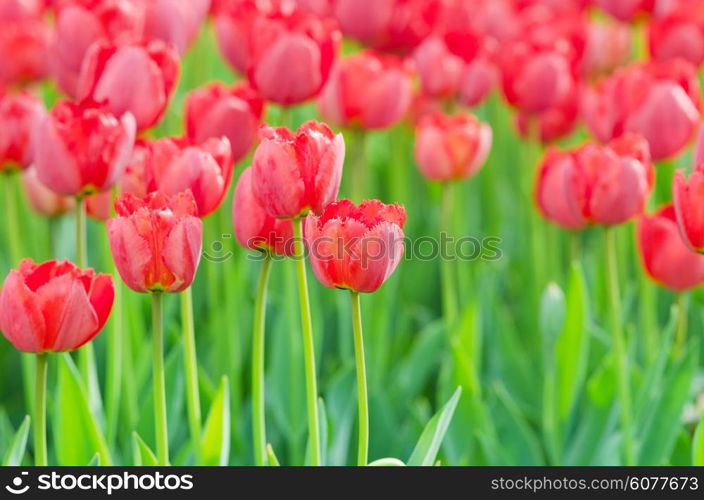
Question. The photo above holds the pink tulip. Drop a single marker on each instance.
(688, 197)
(451, 147)
(608, 46)
(138, 78)
(478, 80)
(42, 199)
(24, 49)
(19, 115)
(440, 70)
(176, 22)
(367, 90)
(679, 33)
(626, 10)
(218, 111)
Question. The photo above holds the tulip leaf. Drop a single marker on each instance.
(95, 461)
(387, 462)
(215, 443)
(13, 455)
(698, 445)
(77, 434)
(143, 455)
(273, 461)
(430, 440)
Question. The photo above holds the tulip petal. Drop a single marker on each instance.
(21, 319)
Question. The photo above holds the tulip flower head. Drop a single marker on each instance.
(19, 114)
(176, 22)
(24, 49)
(42, 199)
(594, 184)
(355, 247)
(217, 111)
(295, 173)
(84, 148)
(451, 147)
(440, 71)
(54, 306)
(254, 228)
(368, 90)
(626, 10)
(688, 197)
(679, 33)
(665, 256)
(132, 77)
(156, 242)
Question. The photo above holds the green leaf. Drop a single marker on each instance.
(95, 461)
(552, 313)
(215, 443)
(143, 455)
(430, 440)
(387, 462)
(273, 461)
(14, 454)
(698, 445)
(77, 434)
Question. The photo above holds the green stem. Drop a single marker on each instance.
(114, 361)
(681, 335)
(40, 453)
(619, 346)
(191, 369)
(359, 166)
(308, 345)
(13, 228)
(362, 398)
(449, 288)
(81, 245)
(258, 353)
(162, 437)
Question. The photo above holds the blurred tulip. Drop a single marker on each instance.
(478, 80)
(598, 185)
(553, 123)
(608, 47)
(626, 10)
(173, 165)
(688, 198)
(84, 149)
(368, 90)
(665, 256)
(24, 49)
(138, 78)
(286, 52)
(355, 247)
(80, 23)
(176, 22)
(54, 306)
(293, 174)
(320, 8)
(99, 206)
(217, 111)
(15, 11)
(42, 199)
(660, 101)
(440, 71)
(254, 228)
(679, 33)
(156, 242)
(19, 115)
(451, 147)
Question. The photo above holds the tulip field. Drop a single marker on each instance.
(345, 232)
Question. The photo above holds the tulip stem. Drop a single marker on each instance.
(308, 344)
(191, 368)
(362, 398)
(81, 248)
(360, 167)
(449, 289)
(258, 354)
(160, 429)
(681, 335)
(13, 232)
(40, 453)
(619, 346)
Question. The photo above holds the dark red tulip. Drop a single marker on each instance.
(84, 149)
(659, 101)
(295, 173)
(679, 33)
(19, 115)
(594, 184)
(368, 90)
(80, 23)
(176, 22)
(355, 247)
(665, 257)
(254, 228)
(156, 242)
(138, 78)
(54, 306)
(218, 111)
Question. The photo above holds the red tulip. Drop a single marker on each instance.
(41, 198)
(608, 47)
(54, 306)
(688, 197)
(659, 101)
(679, 33)
(84, 149)
(598, 185)
(173, 165)
(626, 10)
(286, 52)
(138, 78)
(99, 206)
(24, 48)
(666, 258)
(440, 70)
(451, 147)
(14, 11)
(319, 8)
(19, 114)
(553, 123)
(156, 242)
(218, 111)
(368, 90)
(80, 23)
(175, 21)
(355, 247)
(254, 228)
(293, 174)
(478, 80)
